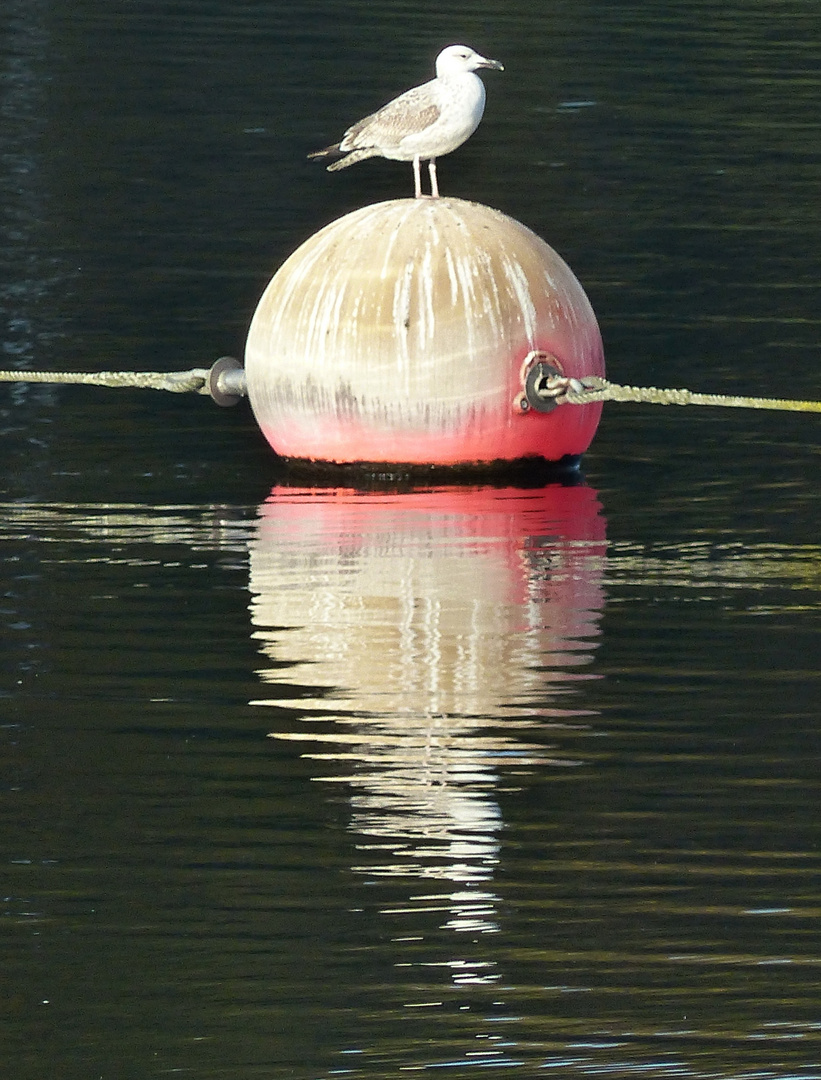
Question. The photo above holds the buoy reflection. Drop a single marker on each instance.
(424, 645)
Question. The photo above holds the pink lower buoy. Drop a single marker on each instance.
(404, 332)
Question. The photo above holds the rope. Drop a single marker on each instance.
(593, 388)
(557, 387)
(178, 382)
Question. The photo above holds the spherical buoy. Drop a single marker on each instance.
(408, 332)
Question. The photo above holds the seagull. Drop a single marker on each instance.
(423, 123)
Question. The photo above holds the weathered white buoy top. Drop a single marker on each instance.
(423, 123)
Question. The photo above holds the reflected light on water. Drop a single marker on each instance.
(429, 652)
(441, 633)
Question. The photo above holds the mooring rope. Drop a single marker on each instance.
(178, 382)
(545, 387)
(560, 388)
(594, 388)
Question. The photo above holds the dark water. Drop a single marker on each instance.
(542, 791)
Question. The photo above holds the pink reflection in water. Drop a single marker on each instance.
(428, 640)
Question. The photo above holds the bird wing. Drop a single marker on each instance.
(409, 114)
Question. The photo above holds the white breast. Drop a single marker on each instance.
(461, 99)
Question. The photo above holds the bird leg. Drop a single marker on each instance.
(417, 179)
(434, 186)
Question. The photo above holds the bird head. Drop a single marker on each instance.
(456, 59)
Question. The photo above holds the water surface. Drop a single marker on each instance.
(310, 780)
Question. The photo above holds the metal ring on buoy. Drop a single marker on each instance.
(226, 381)
(536, 392)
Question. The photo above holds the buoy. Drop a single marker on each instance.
(416, 332)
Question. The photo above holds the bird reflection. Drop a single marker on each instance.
(429, 645)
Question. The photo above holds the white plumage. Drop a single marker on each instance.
(423, 123)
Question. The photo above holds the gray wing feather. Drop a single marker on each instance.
(328, 151)
(409, 114)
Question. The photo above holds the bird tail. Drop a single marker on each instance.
(352, 158)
